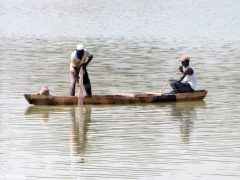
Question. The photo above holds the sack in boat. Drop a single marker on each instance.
(43, 91)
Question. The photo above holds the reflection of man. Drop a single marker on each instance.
(80, 119)
(186, 113)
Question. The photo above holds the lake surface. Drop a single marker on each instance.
(135, 45)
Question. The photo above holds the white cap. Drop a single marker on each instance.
(80, 47)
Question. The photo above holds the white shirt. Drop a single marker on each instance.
(76, 62)
(190, 79)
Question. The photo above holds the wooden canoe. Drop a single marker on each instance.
(116, 99)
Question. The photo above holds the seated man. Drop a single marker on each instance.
(188, 81)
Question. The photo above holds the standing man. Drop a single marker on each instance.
(80, 58)
(188, 81)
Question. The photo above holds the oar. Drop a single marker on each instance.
(168, 82)
(81, 108)
(80, 93)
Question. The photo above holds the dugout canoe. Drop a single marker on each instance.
(120, 98)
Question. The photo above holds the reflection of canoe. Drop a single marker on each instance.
(116, 99)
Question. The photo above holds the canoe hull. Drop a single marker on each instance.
(116, 99)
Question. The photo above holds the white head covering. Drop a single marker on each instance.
(80, 47)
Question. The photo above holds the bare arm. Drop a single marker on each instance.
(89, 60)
(189, 71)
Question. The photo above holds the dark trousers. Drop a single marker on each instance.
(86, 82)
(179, 87)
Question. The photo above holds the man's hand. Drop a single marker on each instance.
(181, 68)
(88, 61)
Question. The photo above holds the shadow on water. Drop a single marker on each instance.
(79, 118)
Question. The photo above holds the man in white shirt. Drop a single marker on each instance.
(80, 58)
(188, 81)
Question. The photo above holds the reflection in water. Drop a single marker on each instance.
(43, 112)
(80, 117)
(186, 113)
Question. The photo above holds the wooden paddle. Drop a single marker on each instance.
(80, 93)
(161, 92)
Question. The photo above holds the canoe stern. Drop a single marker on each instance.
(192, 96)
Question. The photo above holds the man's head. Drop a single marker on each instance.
(184, 59)
(80, 47)
(80, 51)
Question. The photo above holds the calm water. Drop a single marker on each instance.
(135, 46)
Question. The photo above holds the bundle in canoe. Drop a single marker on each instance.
(116, 99)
